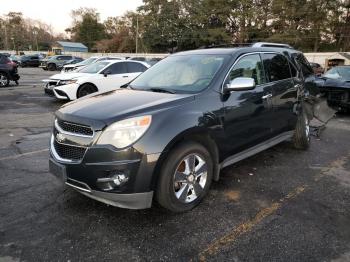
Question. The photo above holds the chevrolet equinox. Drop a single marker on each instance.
(166, 135)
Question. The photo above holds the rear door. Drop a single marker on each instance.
(33, 61)
(284, 91)
(134, 70)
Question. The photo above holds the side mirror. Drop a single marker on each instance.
(240, 84)
(106, 73)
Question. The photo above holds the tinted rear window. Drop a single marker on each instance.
(304, 64)
(4, 59)
(276, 67)
(136, 67)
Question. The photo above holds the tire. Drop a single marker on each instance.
(4, 80)
(182, 196)
(51, 67)
(301, 137)
(86, 89)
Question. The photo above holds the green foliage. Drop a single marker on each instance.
(19, 33)
(86, 27)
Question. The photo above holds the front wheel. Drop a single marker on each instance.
(4, 80)
(85, 90)
(51, 67)
(185, 177)
(301, 137)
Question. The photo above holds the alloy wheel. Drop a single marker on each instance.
(190, 178)
(3, 80)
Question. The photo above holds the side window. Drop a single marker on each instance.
(276, 66)
(59, 58)
(117, 68)
(66, 58)
(135, 67)
(3, 59)
(249, 66)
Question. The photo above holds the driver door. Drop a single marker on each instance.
(248, 118)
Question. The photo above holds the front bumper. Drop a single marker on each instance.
(64, 92)
(100, 164)
(339, 98)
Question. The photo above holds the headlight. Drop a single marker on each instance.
(123, 133)
(67, 82)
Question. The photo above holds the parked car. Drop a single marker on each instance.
(317, 69)
(55, 62)
(151, 61)
(74, 61)
(94, 59)
(97, 77)
(167, 134)
(30, 60)
(335, 83)
(15, 59)
(8, 71)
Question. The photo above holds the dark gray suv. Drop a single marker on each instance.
(167, 134)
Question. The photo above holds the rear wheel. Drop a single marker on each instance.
(301, 137)
(86, 89)
(185, 177)
(51, 67)
(4, 80)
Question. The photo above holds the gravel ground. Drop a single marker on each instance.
(280, 205)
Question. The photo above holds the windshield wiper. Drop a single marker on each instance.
(162, 90)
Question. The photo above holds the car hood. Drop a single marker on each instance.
(106, 108)
(333, 83)
(68, 76)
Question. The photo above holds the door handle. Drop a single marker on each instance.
(266, 96)
(125, 76)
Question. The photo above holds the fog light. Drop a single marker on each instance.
(120, 179)
(109, 183)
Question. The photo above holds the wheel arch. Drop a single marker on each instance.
(85, 83)
(201, 136)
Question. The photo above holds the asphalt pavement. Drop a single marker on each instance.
(280, 205)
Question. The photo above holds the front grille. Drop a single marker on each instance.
(69, 152)
(68, 69)
(49, 92)
(336, 96)
(52, 83)
(75, 128)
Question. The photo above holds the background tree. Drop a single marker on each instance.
(86, 27)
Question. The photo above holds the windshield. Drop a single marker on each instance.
(94, 68)
(180, 74)
(339, 72)
(88, 61)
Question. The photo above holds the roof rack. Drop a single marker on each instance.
(225, 45)
(266, 44)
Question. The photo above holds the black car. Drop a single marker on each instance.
(335, 84)
(167, 134)
(8, 71)
(30, 60)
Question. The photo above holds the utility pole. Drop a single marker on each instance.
(137, 31)
(13, 41)
(5, 37)
(6, 40)
(35, 32)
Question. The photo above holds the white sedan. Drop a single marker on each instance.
(97, 77)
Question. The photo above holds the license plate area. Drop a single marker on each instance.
(58, 170)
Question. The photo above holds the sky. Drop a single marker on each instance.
(57, 12)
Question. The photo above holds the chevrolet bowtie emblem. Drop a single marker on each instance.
(60, 138)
